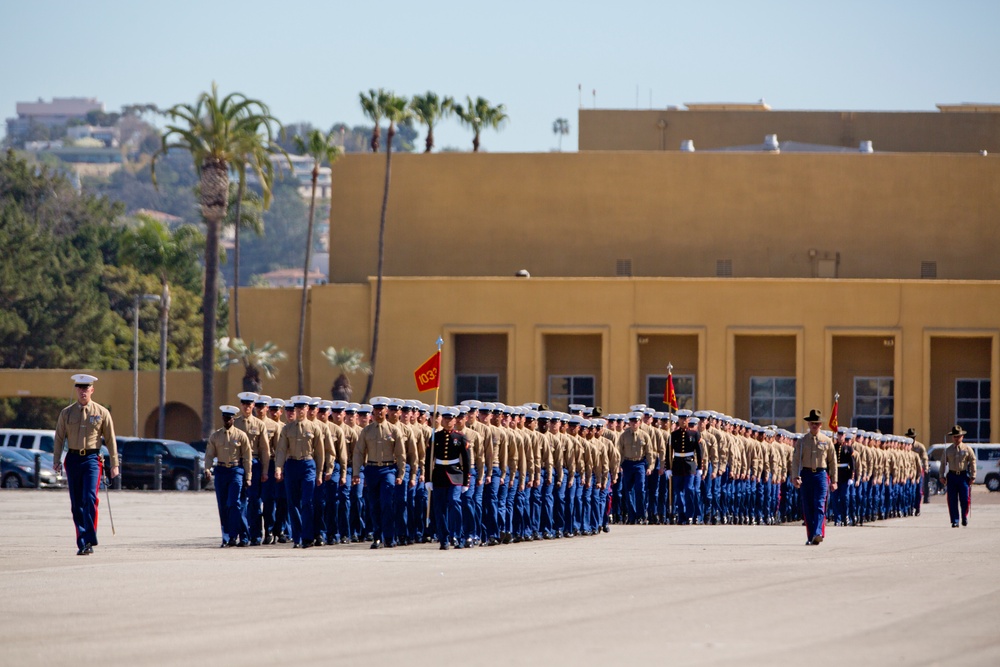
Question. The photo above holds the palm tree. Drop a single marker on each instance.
(254, 359)
(428, 110)
(560, 127)
(396, 110)
(321, 148)
(348, 362)
(246, 213)
(479, 114)
(218, 133)
(372, 104)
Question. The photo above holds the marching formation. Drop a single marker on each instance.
(331, 472)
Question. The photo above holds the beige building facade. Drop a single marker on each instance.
(770, 282)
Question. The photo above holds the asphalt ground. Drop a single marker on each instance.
(161, 592)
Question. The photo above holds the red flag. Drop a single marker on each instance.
(669, 395)
(833, 415)
(428, 376)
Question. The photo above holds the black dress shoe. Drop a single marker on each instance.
(344, 540)
(282, 538)
(242, 543)
(965, 522)
(82, 551)
(296, 545)
(232, 542)
(306, 545)
(377, 544)
(221, 546)
(445, 547)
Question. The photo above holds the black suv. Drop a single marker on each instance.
(181, 462)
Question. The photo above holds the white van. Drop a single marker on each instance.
(987, 464)
(28, 438)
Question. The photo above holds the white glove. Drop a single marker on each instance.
(850, 482)
(429, 486)
(670, 473)
(465, 489)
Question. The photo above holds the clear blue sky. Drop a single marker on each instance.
(309, 59)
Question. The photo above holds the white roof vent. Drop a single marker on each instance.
(771, 143)
(866, 146)
(687, 146)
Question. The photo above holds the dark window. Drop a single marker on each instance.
(477, 387)
(972, 408)
(567, 389)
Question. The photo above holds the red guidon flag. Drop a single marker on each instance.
(833, 415)
(669, 395)
(428, 376)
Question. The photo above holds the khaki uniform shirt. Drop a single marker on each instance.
(230, 446)
(256, 431)
(814, 451)
(380, 444)
(300, 440)
(273, 429)
(636, 446)
(82, 427)
(959, 458)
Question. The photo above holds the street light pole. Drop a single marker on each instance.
(135, 359)
(164, 319)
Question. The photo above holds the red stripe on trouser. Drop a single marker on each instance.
(97, 493)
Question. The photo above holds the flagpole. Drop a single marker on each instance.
(430, 445)
(670, 444)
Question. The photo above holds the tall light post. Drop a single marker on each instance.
(164, 318)
(139, 298)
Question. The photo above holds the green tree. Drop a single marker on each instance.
(560, 127)
(348, 362)
(322, 149)
(255, 360)
(245, 212)
(428, 109)
(218, 133)
(480, 114)
(396, 110)
(284, 240)
(373, 105)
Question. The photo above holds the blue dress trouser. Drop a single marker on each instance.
(252, 510)
(815, 491)
(491, 501)
(633, 489)
(344, 506)
(399, 507)
(228, 487)
(959, 498)
(269, 498)
(469, 508)
(300, 487)
(380, 482)
(83, 476)
(447, 502)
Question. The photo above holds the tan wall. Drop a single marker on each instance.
(658, 351)
(764, 356)
(659, 130)
(671, 214)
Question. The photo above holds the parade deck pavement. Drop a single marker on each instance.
(906, 591)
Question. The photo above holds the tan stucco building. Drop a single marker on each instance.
(769, 280)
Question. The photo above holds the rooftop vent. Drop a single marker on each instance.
(771, 143)
(623, 268)
(724, 268)
(687, 146)
(866, 146)
(928, 269)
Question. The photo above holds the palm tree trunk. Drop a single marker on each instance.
(236, 258)
(429, 144)
(214, 198)
(305, 278)
(381, 262)
(475, 142)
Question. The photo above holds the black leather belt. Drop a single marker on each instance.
(83, 452)
(231, 464)
(381, 464)
(815, 469)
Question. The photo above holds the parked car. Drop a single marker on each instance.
(935, 454)
(987, 465)
(28, 438)
(180, 463)
(17, 469)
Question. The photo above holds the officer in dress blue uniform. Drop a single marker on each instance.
(449, 463)
(81, 427)
(687, 459)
